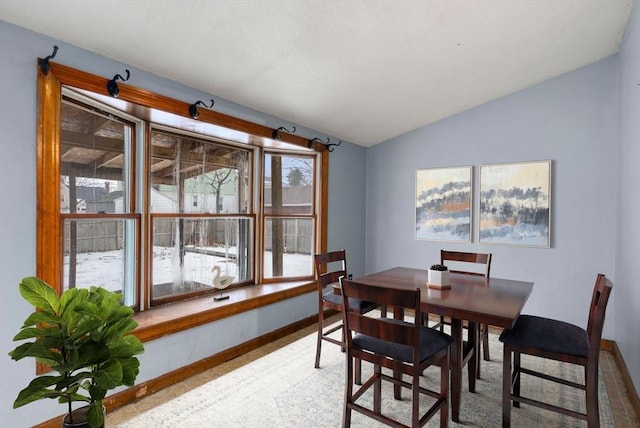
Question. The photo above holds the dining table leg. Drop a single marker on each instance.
(474, 362)
(456, 369)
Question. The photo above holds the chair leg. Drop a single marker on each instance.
(415, 399)
(358, 363)
(516, 378)
(348, 394)
(485, 341)
(377, 389)
(506, 387)
(319, 339)
(444, 391)
(472, 370)
(383, 311)
(478, 342)
(593, 411)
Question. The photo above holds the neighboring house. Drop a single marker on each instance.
(94, 199)
(159, 203)
(199, 197)
(81, 206)
(85, 196)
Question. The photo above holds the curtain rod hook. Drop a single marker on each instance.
(332, 146)
(44, 63)
(193, 108)
(112, 86)
(276, 132)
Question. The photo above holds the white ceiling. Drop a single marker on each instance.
(362, 71)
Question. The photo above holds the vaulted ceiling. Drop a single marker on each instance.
(362, 71)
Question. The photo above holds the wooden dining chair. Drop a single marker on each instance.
(406, 348)
(330, 267)
(469, 264)
(560, 341)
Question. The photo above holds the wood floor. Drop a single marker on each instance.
(621, 406)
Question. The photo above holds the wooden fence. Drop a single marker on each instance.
(98, 235)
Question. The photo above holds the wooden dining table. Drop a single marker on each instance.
(475, 299)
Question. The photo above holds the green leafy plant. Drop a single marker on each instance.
(438, 267)
(83, 336)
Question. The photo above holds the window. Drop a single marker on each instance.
(289, 214)
(100, 230)
(189, 241)
(136, 196)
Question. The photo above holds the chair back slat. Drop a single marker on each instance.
(324, 279)
(466, 263)
(330, 267)
(382, 328)
(322, 259)
(597, 312)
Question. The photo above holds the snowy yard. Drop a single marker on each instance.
(106, 269)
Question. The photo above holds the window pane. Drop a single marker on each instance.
(100, 252)
(288, 184)
(185, 251)
(197, 176)
(94, 161)
(288, 247)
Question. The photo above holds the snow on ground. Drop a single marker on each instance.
(106, 269)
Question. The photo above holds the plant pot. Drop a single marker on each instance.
(439, 279)
(79, 418)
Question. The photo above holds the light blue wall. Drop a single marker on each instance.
(19, 49)
(571, 120)
(587, 123)
(627, 304)
(347, 204)
(17, 216)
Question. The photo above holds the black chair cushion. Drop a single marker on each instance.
(431, 342)
(361, 305)
(548, 335)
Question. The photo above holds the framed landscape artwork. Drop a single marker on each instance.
(514, 205)
(443, 204)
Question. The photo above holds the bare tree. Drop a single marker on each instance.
(216, 180)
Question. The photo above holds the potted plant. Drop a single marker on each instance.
(438, 276)
(83, 336)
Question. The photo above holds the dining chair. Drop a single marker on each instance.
(405, 347)
(560, 341)
(330, 267)
(469, 264)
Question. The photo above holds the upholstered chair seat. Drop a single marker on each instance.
(548, 335)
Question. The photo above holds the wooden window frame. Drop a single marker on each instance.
(172, 318)
(265, 217)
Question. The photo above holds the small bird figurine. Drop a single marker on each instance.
(221, 282)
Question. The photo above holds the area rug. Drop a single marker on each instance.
(283, 389)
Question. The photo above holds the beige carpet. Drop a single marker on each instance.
(283, 389)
